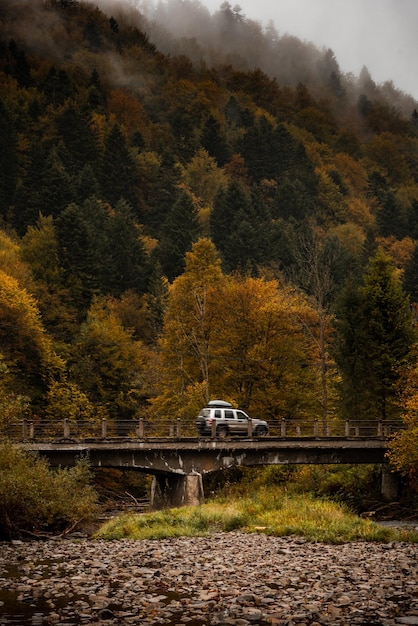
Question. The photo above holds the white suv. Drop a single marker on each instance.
(220, 419)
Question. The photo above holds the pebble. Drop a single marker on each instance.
(233, 579)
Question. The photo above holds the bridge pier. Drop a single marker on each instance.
(389, 484)
(175, 490)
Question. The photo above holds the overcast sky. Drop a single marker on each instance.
(380, 34)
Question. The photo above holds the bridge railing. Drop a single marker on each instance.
(46, 430)
(104, 429)
(336, 428)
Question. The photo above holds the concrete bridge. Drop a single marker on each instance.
(178, 464)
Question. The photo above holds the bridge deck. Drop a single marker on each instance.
(185, 456)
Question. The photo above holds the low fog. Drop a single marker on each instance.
(350, 47)
(380, 34)
(373, 35)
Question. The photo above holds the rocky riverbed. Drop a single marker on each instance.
(230, 578)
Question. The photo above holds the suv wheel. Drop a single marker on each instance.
(222, 432)
(261, 431)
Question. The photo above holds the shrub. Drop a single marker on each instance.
(353, 485)
(35, 498)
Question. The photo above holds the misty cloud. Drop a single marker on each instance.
(378, 34)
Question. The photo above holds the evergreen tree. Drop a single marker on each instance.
(374, 338)
(80, 140)
(58, 87)
(410, 277)
(412, 219)
(233, 112)
(390, 218)
(179, 232)
(29, 192)
(268, 151)
(57, 189)
(239, 228)
(118, 174)
(96, 93)
(78, 251)
(86, 185)
(163, 194)
(293, 200)
(46, 188)
(8, 160)
(183, 124)
(125, 257)
(214, 142)
(229, 207)
(20, 68)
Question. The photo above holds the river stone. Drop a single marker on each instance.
(233, 579)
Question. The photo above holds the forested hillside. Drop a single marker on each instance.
(199, 207)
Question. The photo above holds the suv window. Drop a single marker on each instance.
(229, 415)
(241, 415)
(218, 414)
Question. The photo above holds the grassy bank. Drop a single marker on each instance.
(269, 510)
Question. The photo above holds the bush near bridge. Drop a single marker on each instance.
(270, 510)
(320, 503)
(354, 486)
(36, 500)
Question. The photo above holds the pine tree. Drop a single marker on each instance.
(118, 174)
(410, 277)
(124, 257)
(29, 193)
(20, 67)
(86, 185)
(96, 93)
(374, 338)
(58, 87)
(228, 202)
(8, 160)
(79, 246)
(236, 230)
(164, 193)
(179, 232)
(214, 142)
(268, 151)
(57, 190)
(80, 140)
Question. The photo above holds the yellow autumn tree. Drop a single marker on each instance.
(242, 339)
(109, 365)
(265, 355)
(204, 178)
(186, 340)
(27, 350)
(13, 406)
(39, 251)
(403, 449)
(10, 260)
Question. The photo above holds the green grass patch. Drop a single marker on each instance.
(269, 510)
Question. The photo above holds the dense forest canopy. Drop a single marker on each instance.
(193, 206)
